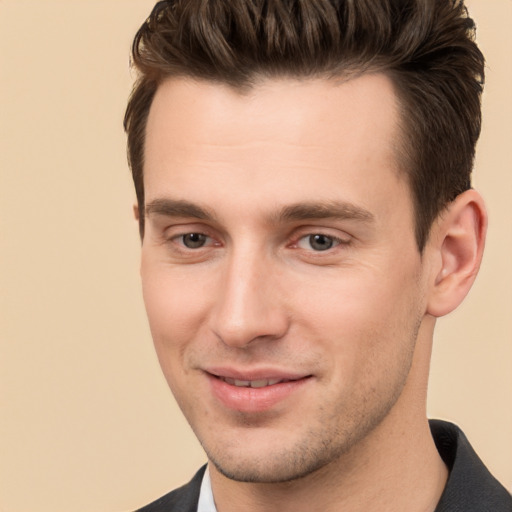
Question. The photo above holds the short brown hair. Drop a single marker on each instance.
(426, 47)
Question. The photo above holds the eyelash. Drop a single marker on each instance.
(332, 241)
(309, 237)
(179, 239)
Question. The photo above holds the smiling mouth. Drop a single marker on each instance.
(254, 393)
(261, 383)
(257, 383)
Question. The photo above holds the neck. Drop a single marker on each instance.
(396, 467)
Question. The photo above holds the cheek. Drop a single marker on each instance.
(366, 318)
(352, 300)
(176, 307)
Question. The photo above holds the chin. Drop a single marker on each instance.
(273, 474)
(276, 467)
(255, 456)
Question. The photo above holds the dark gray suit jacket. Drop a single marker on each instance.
(470, 486)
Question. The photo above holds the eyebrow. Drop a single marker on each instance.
(324, 210)
(177, 208)
(295, 212)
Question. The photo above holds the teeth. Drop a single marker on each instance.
(259, 383)
(252, 383)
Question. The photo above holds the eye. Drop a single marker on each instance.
(194, 240)
(318, 242)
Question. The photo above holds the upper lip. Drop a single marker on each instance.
(255, 374)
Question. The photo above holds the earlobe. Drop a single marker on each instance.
(459, 238)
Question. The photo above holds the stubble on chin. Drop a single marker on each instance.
(316, 452)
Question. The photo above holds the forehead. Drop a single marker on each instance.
(336, 110)
(302, 138)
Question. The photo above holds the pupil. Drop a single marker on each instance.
(320, 242)
(194, 240)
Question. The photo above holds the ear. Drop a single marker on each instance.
(136, 212)
(457, 239)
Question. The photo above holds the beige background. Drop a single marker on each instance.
(86, 420)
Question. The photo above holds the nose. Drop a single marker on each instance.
(250, 305)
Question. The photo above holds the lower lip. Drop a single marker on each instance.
(245, 399)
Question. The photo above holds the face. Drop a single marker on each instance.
(280, 272)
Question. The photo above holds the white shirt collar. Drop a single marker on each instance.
(206, 502)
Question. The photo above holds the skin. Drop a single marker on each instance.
(349, 314)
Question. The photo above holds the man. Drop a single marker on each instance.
(302, 170)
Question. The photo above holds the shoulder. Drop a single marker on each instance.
(183, 499)
(470, 486)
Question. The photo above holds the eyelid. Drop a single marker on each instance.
(184, 228)
(336, 234)
(336, 240)
(181, 237)
(174, 234)
(178, 238)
